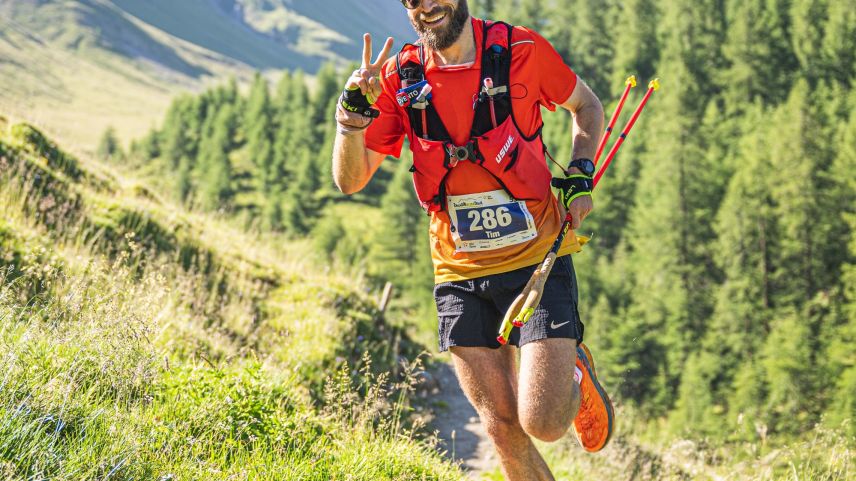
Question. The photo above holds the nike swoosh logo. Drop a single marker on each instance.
(553, 324)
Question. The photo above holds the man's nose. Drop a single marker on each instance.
(428, 5)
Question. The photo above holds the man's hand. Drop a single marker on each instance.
(579, 209)
(366, 79)
(575, 197)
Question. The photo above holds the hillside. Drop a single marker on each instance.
(76, 67)
(142, 341)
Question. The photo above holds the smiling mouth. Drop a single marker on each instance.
(434, 19)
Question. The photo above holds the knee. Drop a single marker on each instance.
(546, 428)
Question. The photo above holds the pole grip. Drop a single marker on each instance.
(537, 291)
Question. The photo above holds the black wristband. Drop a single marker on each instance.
(354, 101)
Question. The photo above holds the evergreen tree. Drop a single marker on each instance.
(175, 141)
(398, 251)
(804, 265)
(327, 234)
(146, 148)
(808, 19)
(590, 43)
(786, 355)
(670, 227)
(762, 63)
(635, 42)
(259, 133)
(108, 147)
(744, 252)
(301, 206)
(839, 43)
(328, 86)
(697, 409)
(215, 170)
(840, 353)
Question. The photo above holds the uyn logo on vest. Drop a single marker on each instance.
(505, 148)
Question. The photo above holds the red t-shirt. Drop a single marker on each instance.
(539, 78)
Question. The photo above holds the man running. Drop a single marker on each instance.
(468, 99)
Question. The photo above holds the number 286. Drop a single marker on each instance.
(489, 218)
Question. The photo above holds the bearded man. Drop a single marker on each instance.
(468, 97)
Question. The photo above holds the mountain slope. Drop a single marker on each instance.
(76, 67)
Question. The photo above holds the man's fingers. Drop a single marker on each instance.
(367, 50)
(364, 85)
(374, 90)
(384, 53)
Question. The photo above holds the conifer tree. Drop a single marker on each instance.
(589, 43)
(328, 86)
(300, 206)
(762, 63)
(785, 357)
(744, 252)
(215, 170)
(147, 148)
(808, 19)
(635, 41)
(804, 263)
(108, 147)
(670, 223)
(259, 134)
(327, 234)
(397, 251)
(840, 353)
(175, 134)
(839, 43)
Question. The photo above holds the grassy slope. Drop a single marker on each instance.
(139, 341)
(75, 67)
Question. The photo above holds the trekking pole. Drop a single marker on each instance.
(630, 83)
(524, 305)
(652, 86)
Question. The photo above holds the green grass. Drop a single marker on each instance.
(141, 341)
(639, 451)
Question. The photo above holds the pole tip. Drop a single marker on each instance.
(631, 81)
(654, 84)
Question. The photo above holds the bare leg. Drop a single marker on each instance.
(549, 398)
(489, 379)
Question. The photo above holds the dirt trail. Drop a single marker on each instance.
(462, 435)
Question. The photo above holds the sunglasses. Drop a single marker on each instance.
(411, 4)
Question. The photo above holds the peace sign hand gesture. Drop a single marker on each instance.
(363, 86)
(367, 77)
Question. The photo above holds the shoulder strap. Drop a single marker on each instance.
(424, 120)
(495, 81)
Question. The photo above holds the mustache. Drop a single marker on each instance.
(435, 11)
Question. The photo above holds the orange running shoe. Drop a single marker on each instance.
(594, 422)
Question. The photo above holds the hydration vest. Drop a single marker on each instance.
(496, 143)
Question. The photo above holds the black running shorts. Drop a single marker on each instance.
(470, 311)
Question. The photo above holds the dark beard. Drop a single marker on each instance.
(446, 36)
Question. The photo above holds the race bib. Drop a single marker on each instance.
(489, 220)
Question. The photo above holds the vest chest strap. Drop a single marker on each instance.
(457, 153)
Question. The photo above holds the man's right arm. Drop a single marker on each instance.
(353, 164)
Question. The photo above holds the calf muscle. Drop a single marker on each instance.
(489, 379)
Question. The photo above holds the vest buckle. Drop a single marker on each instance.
(457, 153)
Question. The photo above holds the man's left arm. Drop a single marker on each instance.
(587, 113)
